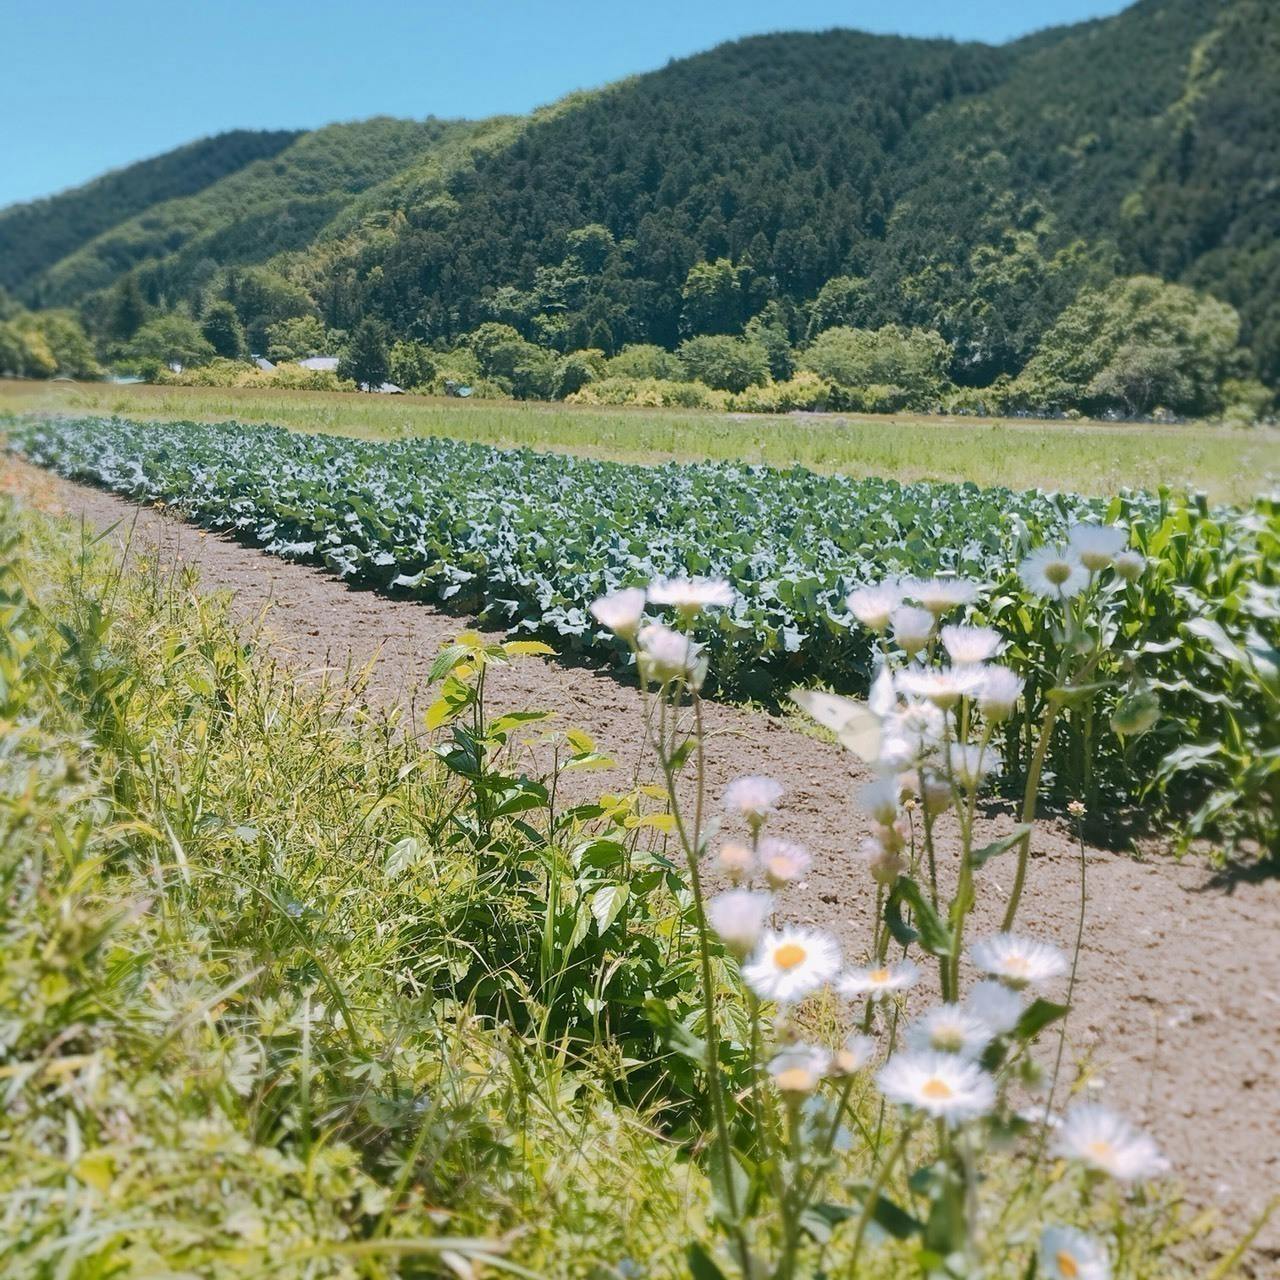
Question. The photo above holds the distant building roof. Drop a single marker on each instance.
(327, 364)
(262, 362)
(385, 388)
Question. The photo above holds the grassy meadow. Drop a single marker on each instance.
(1230, 465)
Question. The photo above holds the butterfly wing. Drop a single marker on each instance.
(854, 724)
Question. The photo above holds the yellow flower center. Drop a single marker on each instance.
(1057, 572)
(938, 1090)
(794, 1080)
(1017, 965)
(1067, 1265)
(1100, 1150)
(879, 976)
(789, 955)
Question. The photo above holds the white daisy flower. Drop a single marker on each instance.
(880, 981)
(912, 628)
(689, 596)
(736, 861)
(999, 692)
(1068, 1254)
(943, 686)
(667, 655)
(799, 1068)
(853, 1055)
(1099, 1138)
(874, 605)
(941, 595)
(738, 917)
(879, 800)
(971, 763)
(998, 1006)
(1018, 962)
(753, 797)
(1053, 573)
(620, 611)
(943, 1085)
(885, 864)
(1097, 545)
(949, 1028)
(968, 646)
(920, 725)
(790, 965)
(1130, 565)
(783, 861)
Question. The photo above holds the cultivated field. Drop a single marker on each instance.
(1230, 465)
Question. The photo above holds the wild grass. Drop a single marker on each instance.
(1230, 465)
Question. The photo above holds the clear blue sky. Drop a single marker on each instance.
(89, 85)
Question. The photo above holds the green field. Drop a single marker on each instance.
(1230, 465)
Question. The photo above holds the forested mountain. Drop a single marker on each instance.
(781, 184)
(34, 236)
(263, 208)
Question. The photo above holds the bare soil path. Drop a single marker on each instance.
(1177, 1009)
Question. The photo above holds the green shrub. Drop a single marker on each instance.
(650, 393)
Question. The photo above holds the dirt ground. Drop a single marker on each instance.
(1177, 1006)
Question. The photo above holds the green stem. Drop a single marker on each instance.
(873, 1197)
(1030, 796)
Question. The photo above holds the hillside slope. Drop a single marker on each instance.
(36, 235)
(265, 208)
(958, 187)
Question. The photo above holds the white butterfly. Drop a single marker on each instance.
(855, 725)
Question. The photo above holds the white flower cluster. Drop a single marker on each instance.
(1058, 572)
(663, 654)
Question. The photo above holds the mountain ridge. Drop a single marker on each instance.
(973, 189)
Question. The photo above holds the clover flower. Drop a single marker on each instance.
(620, 611)
(949, 1028)
(879, 982)
(971, 764)
(1097, 545)
(783, 861)
(879, 800)
(968, 646)
(993, 1003)
(999, 692)
(753, 797)
(690, 596)
(1018, 962)
(1068, 1254)
(912, 628)
(738, 917)
(943, 1085)
(667, 655)
(799, 1068)
(1097, 1137)
(874, 605)
(792, 964)
(943, 686)
(1130, 565)
(853, 1055)
(1054, 573)
(736, 861)
(941, 595)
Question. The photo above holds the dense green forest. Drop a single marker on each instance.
(34, 236)
(806, 220)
